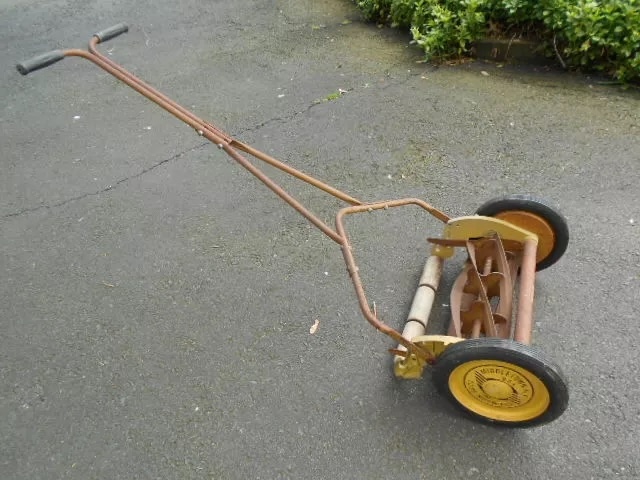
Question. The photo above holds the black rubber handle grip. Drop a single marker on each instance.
(41, 61)
(111, 32)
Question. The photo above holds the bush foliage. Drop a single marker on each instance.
(596, 35)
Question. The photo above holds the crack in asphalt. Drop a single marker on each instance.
(105, 189)
(25, 211)
(398, 81)
(279, 119)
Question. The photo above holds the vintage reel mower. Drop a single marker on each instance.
(485, 364)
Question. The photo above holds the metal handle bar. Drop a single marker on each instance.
(111, 32)
(205, 129)
(49, 58)
(232, 147)
(40, 61)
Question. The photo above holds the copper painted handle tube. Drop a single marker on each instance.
(49, 58)
(93, 43)
(524, 318)
(212, 135)
(355, 276)
(205, 126)
(233, 148)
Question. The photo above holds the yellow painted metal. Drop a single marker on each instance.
(476, 226)
(435, 344)
(499, 390)
(443, 251)
(411, 367)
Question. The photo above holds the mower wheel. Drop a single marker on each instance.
(501, 382)
(536, 216)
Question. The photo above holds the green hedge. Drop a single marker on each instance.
(592, 35)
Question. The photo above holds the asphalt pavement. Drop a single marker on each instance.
(156, 300)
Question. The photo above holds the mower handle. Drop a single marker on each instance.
(49, 58)
(40, 61)
(111, 32)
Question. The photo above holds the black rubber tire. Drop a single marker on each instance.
(523, 356)
(537, 206)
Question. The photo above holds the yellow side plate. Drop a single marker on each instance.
(411, 367)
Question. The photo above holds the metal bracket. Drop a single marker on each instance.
(410, 366)
(476, 226)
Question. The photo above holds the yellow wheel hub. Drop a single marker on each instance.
(534, 224)
(499, 390)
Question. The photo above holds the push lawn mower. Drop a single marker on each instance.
(484, 364)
